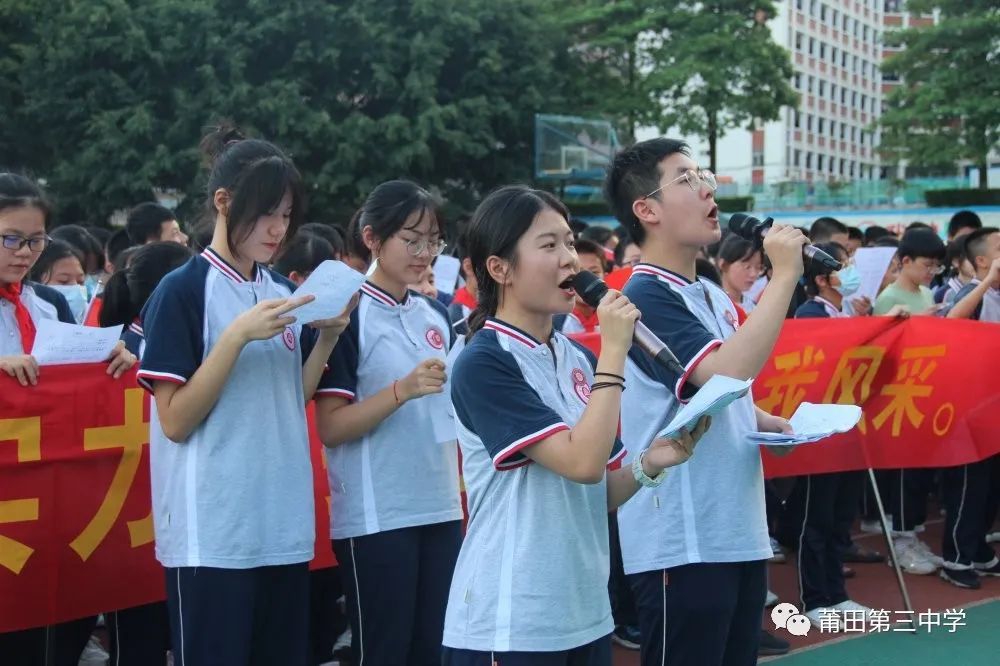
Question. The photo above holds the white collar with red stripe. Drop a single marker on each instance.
(382, 296)
(662, 273)
(831, 309)
(224, 267)
(511, 331)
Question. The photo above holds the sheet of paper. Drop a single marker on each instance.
(811, 423)
(332, 283)
(872, 263)
(446, 273)
(57, 343)
(717, 393)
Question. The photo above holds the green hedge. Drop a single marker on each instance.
(734, 204)
(589, 208)
(951, 198)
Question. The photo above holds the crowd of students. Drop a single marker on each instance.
(568, 482)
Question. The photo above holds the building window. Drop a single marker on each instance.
(842, 161)
(843, 131)
(843, 59)
(822, 88)
(809, 160)
(819, 125)
(846, 19)
(822, 50)
(864, 33)
(822, 12)
(854, 99)
(833, 20)
(892, 6)
(798, 41)
(797, 158)
(812, 7)
(833, 128)
(833, 54)
(811, 82)
(819, 162)
(864, 102)
(843, 95)
(798, 120)
(798, 5)
(854, 134)
(854, 64)
(809, 122)
(812, 45)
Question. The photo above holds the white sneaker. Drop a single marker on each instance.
(993, 537)
(872, 526)
(343, 641)
(771, 599)
(853, 611)
(93, 654)
(927, 552)
(911, 558)
(825, 619)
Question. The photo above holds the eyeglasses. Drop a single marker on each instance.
(416, 247)
(694, 180)
(931, 267)
(36, 243)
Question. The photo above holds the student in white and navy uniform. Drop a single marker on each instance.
(696, 547)
(139, 635)
(822, 507)
(537, 435)
(972, 492)
(24, 217)
(383, 413)
(231, 371)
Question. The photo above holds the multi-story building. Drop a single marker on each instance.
(836, 50)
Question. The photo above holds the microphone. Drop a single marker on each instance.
(592, 289)
(752, 229)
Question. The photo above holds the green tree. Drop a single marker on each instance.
(947, 107)
(716, 68)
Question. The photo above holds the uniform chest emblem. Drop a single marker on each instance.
(580, 385)
(731, 320)
(288, 337)
(434, 338)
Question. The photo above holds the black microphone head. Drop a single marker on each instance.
(745, 226)
(589, 287)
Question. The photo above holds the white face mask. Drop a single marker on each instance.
(76, 296)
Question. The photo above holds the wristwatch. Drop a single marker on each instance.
(644, 479)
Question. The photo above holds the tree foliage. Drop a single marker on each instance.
(947, 107)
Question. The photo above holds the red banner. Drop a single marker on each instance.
(927, 387)
(76, 531)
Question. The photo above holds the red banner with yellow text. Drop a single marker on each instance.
(76, 530)
(928, 389)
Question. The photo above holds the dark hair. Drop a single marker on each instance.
(886, 241)
(954, 250)
(624, 240)
(88, 246)
(597, 233)
(921, 243)
(17, 191)
(501, 219)
(53, 252)
(128, 289)
(874, 232)
(824, 228)
(855, 234)
(202, 233)
(735, 248)
(586, 246)
(392, 203)
(354, 244)
(974, 243)
(303, 254)
(635, 172)
(577, 226)
(327, 232)
(918, 225)
(143, 222)
(706, 269)
(116, 245)
(256, 174)
(963, 219)
(815, 269)
(100, 233)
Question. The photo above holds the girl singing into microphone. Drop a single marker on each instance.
(537, 418)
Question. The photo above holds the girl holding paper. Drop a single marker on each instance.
(537, 436)
(391, 456)
(231, 370)
(24, 218)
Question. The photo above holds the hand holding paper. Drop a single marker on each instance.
(811, 423)
(333, 283)
(57, 343)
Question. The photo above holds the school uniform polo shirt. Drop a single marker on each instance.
(404, 472)
(238, 492)
(818, 308)
(988, 309)
(42, 303)
(134, 339)
(533, 570)
(711, 508)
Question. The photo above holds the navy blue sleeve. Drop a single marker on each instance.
(962, 293)
(493, 400)
(341, 376)
(56, 300)
(173, 325)
(666, 315)
(811, 310)
(133, 341)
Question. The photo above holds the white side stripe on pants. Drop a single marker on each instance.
(663, 644)
(180, 613)
(802, 536)
(357, 596)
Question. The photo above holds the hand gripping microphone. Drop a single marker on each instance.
(752, 229)
(592, 289)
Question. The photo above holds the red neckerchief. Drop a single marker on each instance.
(463, 297)
(12, 293)
(589, 321)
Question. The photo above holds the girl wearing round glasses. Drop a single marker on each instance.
(391, 455)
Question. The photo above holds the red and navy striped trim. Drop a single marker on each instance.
(502, 460)
(136, 328)
(508, 330)
(226, 269)
(378, 294)
(662, 273)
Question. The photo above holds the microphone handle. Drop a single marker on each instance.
(816, 254)
(656, 348)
